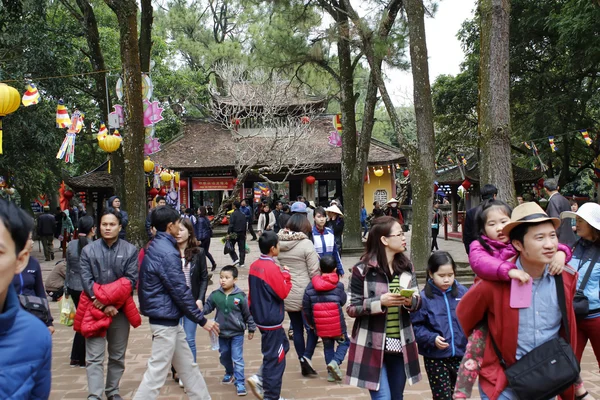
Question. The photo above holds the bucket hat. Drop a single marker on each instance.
(528, 213)
(589, 212)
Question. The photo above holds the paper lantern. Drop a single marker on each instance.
(153, 192)
(148, 165)
(10, 99)
(165, 176)
(305, 120)
(176, 178)
(68, 194)
(10, 191)
(162, 192)
(183, 184)
(110, 143)
(310, 179)
(378, 172)
(466, 184)
(406, 173)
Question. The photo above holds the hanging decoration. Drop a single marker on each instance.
(67, 149)
(305, 120)
(543, 166)
(310, 180)
(527, 145)
(153, 192)
(389, 169)
(466, 184)
(335, 139)
(450, 160)
(367, 178)
(148, 165)
(406, 173)
(119, 88)
(586, 137)
(31, 95)
(102, 132)
(463, 159)
(152, 113)
(183, 183)
(552, 145)
(62, 115)
(337, 122)
(110, 144)
(147, 87)
(378, 172)
(117, 116)
(9, 102)
(166, 176)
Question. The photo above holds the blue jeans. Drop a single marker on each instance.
(232, 356)
(331, 354)
(392, 379)
(507, 394)
(190, 334)
(363, 224)
(298, 325)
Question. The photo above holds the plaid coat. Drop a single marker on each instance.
(365, 360)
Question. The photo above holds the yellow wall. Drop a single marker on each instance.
(377, 183)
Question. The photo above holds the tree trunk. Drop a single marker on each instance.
(133, 139)
(145, 41)
(494, 106)
(421, 159)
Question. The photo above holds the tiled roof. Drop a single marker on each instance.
(452, 175)
(96, 179)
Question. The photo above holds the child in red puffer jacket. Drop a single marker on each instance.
(323, 300)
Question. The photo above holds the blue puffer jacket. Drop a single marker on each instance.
(582, 257)
(26, 353)
(202, 228)
(437, 317)
(163, 293)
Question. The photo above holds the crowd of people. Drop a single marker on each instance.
(535, 298)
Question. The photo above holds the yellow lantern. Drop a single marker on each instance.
(110, 143)
(166, 176)
(378, 172)
(9, 102)
(148, 165)
(176, 178)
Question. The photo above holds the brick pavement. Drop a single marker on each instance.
(70, 383)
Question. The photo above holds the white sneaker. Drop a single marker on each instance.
(180, 383)
(255, 384)
(235, 264)
(194, 365)
(241, 266)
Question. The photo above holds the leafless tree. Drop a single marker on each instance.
(272, 130)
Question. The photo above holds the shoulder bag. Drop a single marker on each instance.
(35, 305)
(581, 303)
(549, 369)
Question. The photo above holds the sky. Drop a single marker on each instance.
(443, 47)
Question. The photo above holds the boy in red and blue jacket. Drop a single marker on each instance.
(323, 300)
(268, 287)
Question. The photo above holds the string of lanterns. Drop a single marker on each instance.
(163, 179)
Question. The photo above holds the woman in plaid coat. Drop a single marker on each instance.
(383, 352)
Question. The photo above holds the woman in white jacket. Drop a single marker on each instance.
(266, 220)
(298, 253)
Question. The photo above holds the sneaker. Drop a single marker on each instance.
(255, 383)
(334, 370)
(227, 379)
(180, 383)
(194, 365)
(241, 266)
(235, 264)
(306, 367)
(241, 390)
(330, 378)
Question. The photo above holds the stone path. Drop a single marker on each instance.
(71, 383)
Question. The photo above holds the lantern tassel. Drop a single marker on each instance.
(0, 135)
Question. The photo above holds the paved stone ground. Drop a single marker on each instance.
(71, 383)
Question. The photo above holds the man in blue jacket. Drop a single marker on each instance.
(165, 298)
(25, 344)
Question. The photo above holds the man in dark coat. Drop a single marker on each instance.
(470, 226)
(46, 227)
(238, 223)
(557, 203)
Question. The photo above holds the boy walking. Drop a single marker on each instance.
(233, 316)
(165, 298)
(324, 298)
(269, 286)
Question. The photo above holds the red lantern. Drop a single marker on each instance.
(68, 194)
(162, 192)
(310, 179)
(305, 120)
(183, 184)
(406, 173)
(435, 188)
(153, 192)
(466, 184)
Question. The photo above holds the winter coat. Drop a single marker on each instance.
(92, 322)
(124, 216)
(491, 300)
(202, 229)
(102, 264)
(582, 257)
(163, 293)
(233, 312)
(495, 266)
(363, 215)
(238, 222)
(297, 252)
(46, 224)
(247, 210)
(26, 349)
(263, 224)
(56, 278)
(30, 283)
(323, 300)
(199, 275)
(268, 286)
(470, 227)
(367, 345)
(67, 224)
(73, 274)
(324, 242)
(337, 226)
(437, 317)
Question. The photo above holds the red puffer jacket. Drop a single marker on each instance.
(323, 300)
(92, 322)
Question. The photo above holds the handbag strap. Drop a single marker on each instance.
(21, 278)
(586, 277)
(560, 291)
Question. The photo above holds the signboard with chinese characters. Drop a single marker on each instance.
(225, 183)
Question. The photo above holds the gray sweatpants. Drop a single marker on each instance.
(95, 347)
(170, 347)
